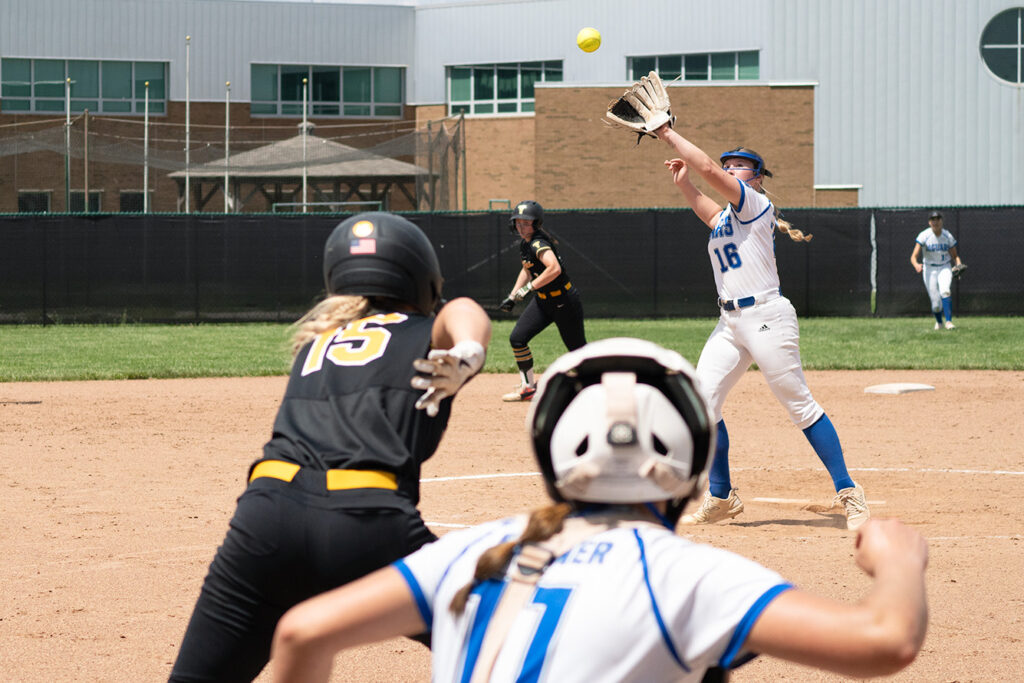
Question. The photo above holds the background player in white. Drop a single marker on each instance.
(757, 324)
(936, 246)
(597, 586)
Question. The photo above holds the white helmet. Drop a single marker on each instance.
(622, 421)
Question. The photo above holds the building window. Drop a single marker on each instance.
(131, 201)
(342, 91)
(701, 66)
(102, 87)
(78, 201)
(1002, 45)
(498, 88)
(33, 202)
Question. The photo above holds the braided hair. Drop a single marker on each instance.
(543, 523)
(782, 225)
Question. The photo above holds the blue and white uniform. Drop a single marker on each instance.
(938, 265)
(637, 604)
(757, 324)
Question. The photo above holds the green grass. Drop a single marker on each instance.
(79, 352)
(87, 352)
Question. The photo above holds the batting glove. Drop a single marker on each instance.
(523, 291)
(443, 372)
(507, 304)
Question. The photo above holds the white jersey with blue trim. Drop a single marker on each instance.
(638, 604)
(742, 247)
(935, 248)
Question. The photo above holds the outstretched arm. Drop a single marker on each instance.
(705, 207)
(461, 320)
(460, 336)
(702, 164)
(879, 635)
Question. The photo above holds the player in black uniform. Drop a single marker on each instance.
(334, 495)
(557, 300)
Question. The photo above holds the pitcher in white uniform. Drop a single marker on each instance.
(936, 247)
(756, 324)
(597, 586)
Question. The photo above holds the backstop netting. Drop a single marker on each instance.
(397, 165)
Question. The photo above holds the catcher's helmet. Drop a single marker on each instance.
(381, 254)
(744, 153)
(529, 210)
(622, 421)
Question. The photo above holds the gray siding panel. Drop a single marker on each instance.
(904, 105)
(226, 36)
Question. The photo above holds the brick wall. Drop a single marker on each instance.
(564, 156)
(499, 160)
(581, 162)
(845, 198)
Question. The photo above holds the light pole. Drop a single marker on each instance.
(67, 144)
(145, 153)
(188, 44)
(227, 139)
(305, 128)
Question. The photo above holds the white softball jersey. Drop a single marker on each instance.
(638, 604)
(935, 248)
(742, 247)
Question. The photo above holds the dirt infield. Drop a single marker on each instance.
(115, 496)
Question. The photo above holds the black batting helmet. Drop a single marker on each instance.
(528, 210)
(381, 254)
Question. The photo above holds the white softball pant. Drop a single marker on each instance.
(938, 280)
(766, 334)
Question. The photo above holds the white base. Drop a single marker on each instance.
(898, 388)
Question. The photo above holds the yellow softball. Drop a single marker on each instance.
(589, 39)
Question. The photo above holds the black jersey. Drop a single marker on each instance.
(530, 251)
(349, 405)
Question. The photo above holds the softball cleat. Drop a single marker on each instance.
(713, 509)
(856, 505)
(950, 325)
(524, 392)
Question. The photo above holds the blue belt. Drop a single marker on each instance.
(748, 301)
(733, 304)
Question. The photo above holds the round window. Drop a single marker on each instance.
(1002, 45)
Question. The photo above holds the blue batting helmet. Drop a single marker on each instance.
(744, 153)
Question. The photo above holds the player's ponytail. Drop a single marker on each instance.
(543, 524)
(794, 234)
(334, 311)
(785, 226)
